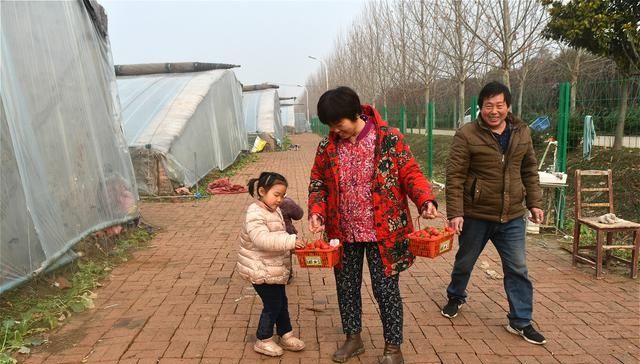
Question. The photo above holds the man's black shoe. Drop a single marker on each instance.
(528, 333)
(450, 310)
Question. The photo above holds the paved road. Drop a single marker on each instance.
(179, 301)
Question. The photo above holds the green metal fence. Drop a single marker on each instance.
(602, 100)
(599, 99)
(566, 112)
(318, 128)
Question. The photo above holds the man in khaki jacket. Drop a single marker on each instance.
(492, 180)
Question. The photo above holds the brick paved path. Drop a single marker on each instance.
(179, 301)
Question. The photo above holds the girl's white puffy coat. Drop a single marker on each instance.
(265, 246)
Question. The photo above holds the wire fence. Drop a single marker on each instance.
(553, 110)
(600, 101)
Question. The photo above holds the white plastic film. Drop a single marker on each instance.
(66, 170)
(262, 113)
(182, 125)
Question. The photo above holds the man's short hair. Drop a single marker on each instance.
(337, 104)
(492, 89)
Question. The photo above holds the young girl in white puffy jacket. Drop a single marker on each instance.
(264, 260)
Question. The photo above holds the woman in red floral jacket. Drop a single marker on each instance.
(361, 177)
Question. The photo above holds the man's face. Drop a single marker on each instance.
(345, 128)
(494, 111)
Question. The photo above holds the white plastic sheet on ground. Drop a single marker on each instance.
(181, 126)
(65, 168)
(262, 114)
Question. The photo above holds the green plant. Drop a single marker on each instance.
(286, 142)
(631, 124)
(419, 148)
(6, 359)
(36, 307)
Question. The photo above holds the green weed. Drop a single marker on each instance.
(37, 307)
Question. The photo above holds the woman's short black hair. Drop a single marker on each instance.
(337, 104)
(492, 89)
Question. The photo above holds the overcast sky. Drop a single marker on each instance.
(269, 39)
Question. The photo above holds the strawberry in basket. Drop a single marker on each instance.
(319, 254)
(431, 242)
(317, 244)
(431, 233)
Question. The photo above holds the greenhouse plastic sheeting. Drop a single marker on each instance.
(181, 126)
(65, 169)
(302, 124)
(287, 116)
(262, 113)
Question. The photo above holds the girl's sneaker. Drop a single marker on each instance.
(290, 342)
(268, 347)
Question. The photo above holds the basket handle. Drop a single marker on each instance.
(440, 215)
(304, 235)
(302, 232)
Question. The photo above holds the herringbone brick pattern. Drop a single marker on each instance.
(179, 301)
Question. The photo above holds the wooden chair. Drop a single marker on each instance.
(601, 249)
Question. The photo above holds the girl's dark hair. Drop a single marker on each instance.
(266, 181)
(492, 89)
(337, 104)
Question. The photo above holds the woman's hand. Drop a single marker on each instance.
(300, 244)
(316, 224)
(430, 212)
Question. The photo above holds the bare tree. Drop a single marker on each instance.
(425, 45)
(366, 71)
(377, 40)
(529, 63)
(515, 24)
(533, 45)
(340, 63)
(459, 46)
(394, 16)
(315, 85)
(363, 63)
(575, 62)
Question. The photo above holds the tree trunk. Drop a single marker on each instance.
(461, 69)
(506, 52)
(505, 77)
(427, 97)
(624, 94)
(520, 97)
(573, 93)
(384, 105)
(461, 103)
(524, 71)
(575, 73)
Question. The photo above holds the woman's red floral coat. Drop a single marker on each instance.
(396, 176)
